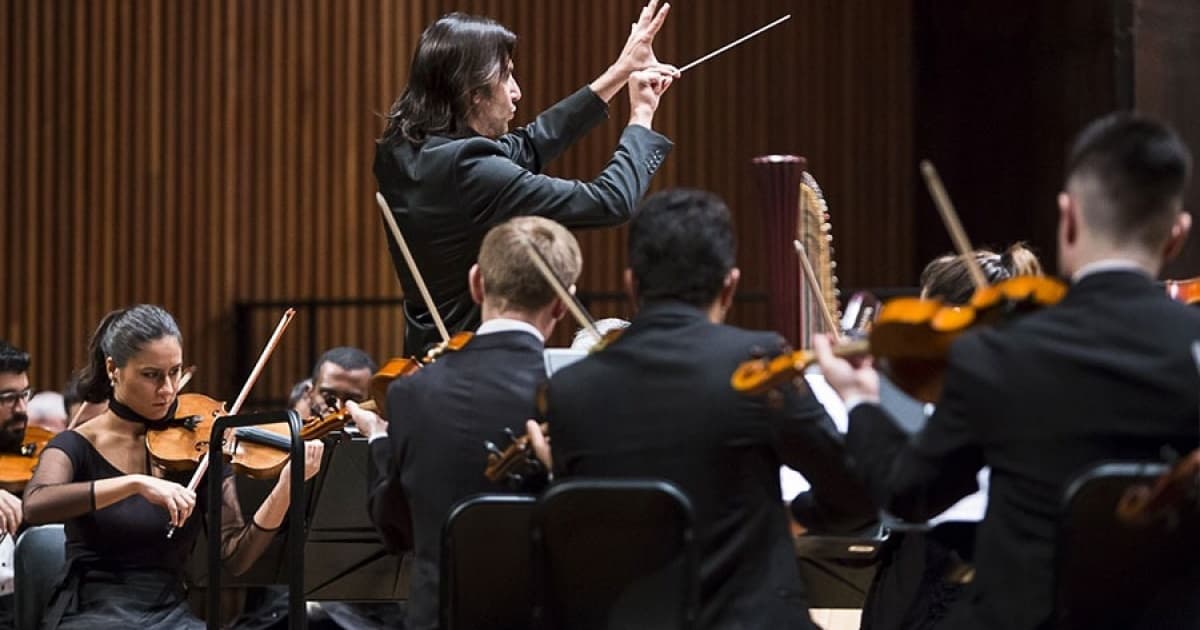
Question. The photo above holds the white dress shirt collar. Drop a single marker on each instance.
(505, 324)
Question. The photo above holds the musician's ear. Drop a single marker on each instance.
(729, 287)
(559, 309)
(630, 284)
(475, 282)
(1068, 219)
(1179, 233)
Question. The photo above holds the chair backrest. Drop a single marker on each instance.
(38, 561)
(486, 581)
(1112, 574)
(615, 554)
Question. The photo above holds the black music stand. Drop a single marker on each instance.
(349, 561)
(297, 616)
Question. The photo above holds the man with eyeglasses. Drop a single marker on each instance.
(14, 409)
(341, 375)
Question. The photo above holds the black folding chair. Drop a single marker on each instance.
(1111, 574)
(486, 582)
(38, 561)
(615, 554)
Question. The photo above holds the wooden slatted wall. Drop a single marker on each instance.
(196, 154)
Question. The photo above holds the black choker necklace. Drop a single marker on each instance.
(125, 413)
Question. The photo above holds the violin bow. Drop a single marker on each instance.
(202, 466)
(412, 266)
(185, 379)
(581, 315)
(953, 226)
(810, 278)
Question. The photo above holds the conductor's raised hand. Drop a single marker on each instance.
(638, 53)
(645, 89)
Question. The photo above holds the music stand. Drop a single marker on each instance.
(297, 619)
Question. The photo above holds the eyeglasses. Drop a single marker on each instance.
(10, 398)
(333, 398)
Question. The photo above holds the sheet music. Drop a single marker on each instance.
(911, 416)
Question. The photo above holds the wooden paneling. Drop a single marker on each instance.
(198, 154)
(1001, 89)
(1166, 45)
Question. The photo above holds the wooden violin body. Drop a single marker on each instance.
(16, 469)
(403, 367)
(261, 452)
(912, 337)
(1185, 291)
(182, 442)
(516, 464)
(1174, 494)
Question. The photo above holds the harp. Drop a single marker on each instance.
(794, 208)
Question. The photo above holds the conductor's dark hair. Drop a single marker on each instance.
(1132, 171)
(681, 246)
(459, 56)
(12, 358)
(121, 335)
(346, 357)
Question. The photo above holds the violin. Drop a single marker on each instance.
(1185, 291)
(261, 452)
(258, 452)
(1170, 496)
(403, 367)
(182, 442)
(16, 469)
(912, 336)
(515, 464)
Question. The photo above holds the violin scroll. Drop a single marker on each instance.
(516, 464)
(1175, 493)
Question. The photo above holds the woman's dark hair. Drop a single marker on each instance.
(681, 246)
(120, 335)
(459, 56)
(947, 278)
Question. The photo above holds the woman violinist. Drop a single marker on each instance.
(923, 573)
(947, 278)
(98, 479)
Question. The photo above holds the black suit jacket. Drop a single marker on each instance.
(434, 455)
(1105, 375)
(658, 403)
(446, 193)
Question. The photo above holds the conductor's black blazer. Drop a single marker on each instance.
(448, 192)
